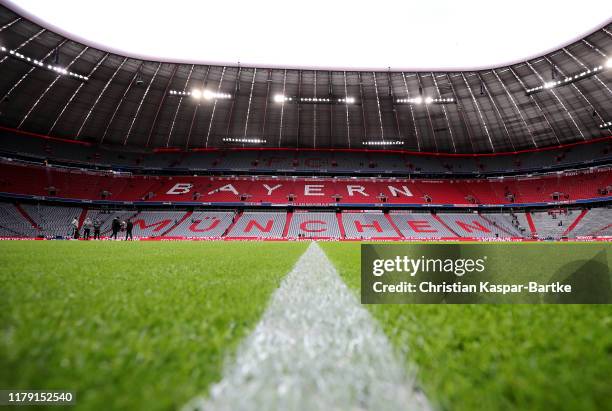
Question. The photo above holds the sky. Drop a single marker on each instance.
(326, 34)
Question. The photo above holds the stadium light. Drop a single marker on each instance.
(426, 100)
(180, 93)
(197, 94)
(570, 79)
(211, 95)
(605, 125)
(383, 143)
(315, 100)
(279, 98)
(38, 63)
(244, 140)
(416, 100)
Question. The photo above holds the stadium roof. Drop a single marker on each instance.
(338, 35)
(54, 85)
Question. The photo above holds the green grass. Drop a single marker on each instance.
(499, 357)
(130, 326)
(148, 325)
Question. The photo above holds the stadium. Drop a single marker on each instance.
(215, 214)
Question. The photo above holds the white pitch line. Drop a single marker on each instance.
(316, 348)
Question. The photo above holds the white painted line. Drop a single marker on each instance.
(316, 348)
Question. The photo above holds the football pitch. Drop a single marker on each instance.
(151, 325)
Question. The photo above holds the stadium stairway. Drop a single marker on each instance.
(575, 223)
(595, 223)
(13, 223)
(419, 226)
(550, 224)
(237, 217)
(25, 215)
(495, 224)
(82, 217)
(54, 221)
(471, 225)
(532, 227)
(178, 223)
(397, 230)
(287, 223)
(340, 224)
(437, 218)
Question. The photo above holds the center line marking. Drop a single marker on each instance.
(315, 348)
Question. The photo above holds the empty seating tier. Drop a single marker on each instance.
(52, 221)
(368, 226)
(104, 188)
(204, 224)
(13, 223)
(256, 224)
(314, 225)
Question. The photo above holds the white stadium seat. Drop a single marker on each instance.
(13, 224)
(419, 225)
(54, 221)
(204, 224)
(255, 224)
(367, 225)
(314, 225)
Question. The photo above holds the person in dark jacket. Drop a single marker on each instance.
(115, 226)
(128, 230)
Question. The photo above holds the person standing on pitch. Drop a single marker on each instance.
(115, 226)
(128, 230)
(96, 227)
(87, 228)
(74, 227)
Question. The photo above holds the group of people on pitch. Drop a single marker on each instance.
(96, 225)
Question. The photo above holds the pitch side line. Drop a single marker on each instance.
(316, 348)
